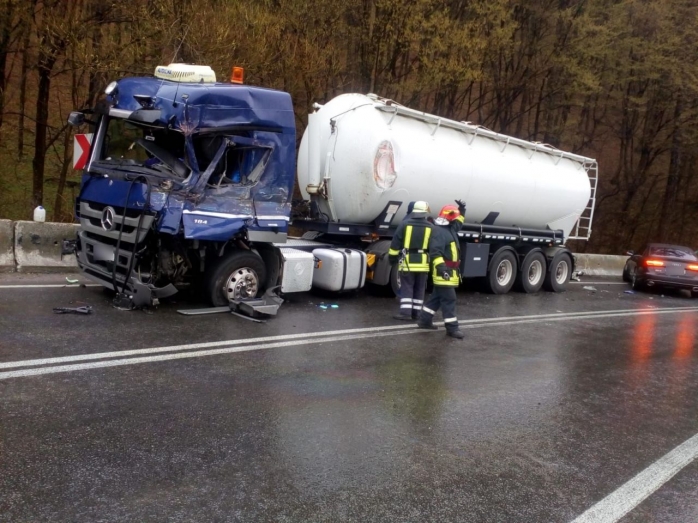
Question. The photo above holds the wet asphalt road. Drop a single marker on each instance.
(526, 420)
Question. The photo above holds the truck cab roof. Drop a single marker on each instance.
(208, 107)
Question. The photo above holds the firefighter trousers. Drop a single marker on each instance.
(412, 288)
(443, 298)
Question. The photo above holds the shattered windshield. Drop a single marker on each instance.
(127, 145)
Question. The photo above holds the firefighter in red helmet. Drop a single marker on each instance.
(444, 252)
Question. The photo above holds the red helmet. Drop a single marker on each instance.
(449, 212)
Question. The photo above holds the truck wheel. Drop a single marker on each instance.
(502, 273)
(559, 274)
(532, 274)
(236, 275)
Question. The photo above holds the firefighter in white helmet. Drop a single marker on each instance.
(410, 250)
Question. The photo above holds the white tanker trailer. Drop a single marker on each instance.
(362, 159)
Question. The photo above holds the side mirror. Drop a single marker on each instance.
(76, 119)
(630, 253)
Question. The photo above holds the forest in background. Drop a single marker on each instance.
(616, 80)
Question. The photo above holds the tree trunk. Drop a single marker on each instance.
(5, 35)
(67, 157)
(23, 91)
(46, 62)
(672, 184)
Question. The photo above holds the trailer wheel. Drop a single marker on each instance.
(532, 274)
(236, 275)
(559, 273)
(502, 274)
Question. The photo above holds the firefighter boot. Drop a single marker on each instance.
(426, 321)
(455, 333)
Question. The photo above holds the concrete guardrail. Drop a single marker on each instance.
(36, 247)
(600, 264)
(7, 246)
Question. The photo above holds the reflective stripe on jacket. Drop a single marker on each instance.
(410, 245)
(444, 250)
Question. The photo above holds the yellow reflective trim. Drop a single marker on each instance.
(454, 252)
(408, 236)
(393, 252)
(461, 219)
(438, 260)
(427, 234)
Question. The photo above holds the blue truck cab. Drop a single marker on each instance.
(187, 182)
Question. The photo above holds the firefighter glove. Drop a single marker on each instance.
(461, 207)
(446, 276)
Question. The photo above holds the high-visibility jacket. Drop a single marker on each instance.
(410, 245)
(444, 250)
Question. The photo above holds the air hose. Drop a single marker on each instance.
(145, 208)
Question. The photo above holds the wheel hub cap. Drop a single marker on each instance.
(243, 283)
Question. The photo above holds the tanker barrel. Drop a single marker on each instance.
(314, 154)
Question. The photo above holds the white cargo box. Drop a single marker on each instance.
(297, 270)
(340, 269)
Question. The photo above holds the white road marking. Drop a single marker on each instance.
(617, 504)
(198, 354)
(322, 338)
(306, 335)
(50, 286)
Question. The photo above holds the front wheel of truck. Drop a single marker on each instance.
(235, 276)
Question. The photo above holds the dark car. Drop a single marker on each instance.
(663, 265)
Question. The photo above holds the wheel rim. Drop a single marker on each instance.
(535, 273)
(243, 283)
(504, 273)
(561, 272)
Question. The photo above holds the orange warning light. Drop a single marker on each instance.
(237, 75)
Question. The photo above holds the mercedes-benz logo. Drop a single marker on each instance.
(108, 219)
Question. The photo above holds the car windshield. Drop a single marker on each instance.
(672, 252)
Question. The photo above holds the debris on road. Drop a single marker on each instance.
(71, 281)
(629, 292)
(85, 309)
(589, 288)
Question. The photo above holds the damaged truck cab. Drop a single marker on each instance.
(188, 181)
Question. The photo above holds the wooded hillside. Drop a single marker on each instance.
(613, 79)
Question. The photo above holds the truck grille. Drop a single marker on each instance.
(97, 254)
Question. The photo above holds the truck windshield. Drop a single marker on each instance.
(129, 145)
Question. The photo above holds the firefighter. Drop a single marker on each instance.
(444, 251)
(410, 251)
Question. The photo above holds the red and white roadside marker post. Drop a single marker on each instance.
(81, 150)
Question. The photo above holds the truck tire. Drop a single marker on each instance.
(532, 274)
(239, 274)
(559, 273)
(502, 273)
